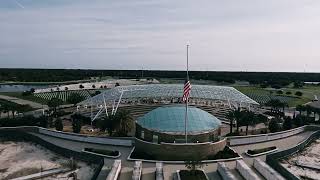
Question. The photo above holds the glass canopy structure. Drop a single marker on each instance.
(165, 93)
(168, 91)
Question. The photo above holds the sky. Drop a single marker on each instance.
(229, 35)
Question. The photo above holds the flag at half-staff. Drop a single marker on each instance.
(186, 91)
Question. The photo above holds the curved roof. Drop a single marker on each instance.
(222, 93)
(171, 119)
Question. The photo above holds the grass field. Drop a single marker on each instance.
(262, 95)
(20, 96)
(43, 98)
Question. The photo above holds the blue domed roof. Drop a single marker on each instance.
(172, 119)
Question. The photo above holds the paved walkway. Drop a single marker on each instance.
(281, 144)
(170, 169)
(22, 101)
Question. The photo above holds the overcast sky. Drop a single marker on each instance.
(236, 35)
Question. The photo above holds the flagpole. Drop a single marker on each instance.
(186, 116)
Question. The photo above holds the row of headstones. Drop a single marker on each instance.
(265, 170)
(137, 171)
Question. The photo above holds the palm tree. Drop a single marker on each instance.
(6, 109)
(300, 108)
(237, 116)
(1, 109)
(284, 105)
(124, 122)
(107, 123)
(54, 103)
(249, 119)
(309, 110)
(231, 118)
(275, 104)
(121, 122)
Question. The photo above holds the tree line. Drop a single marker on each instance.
(60, 75)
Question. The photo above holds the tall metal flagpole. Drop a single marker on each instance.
(186, 116)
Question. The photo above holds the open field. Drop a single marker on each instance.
(29, 98)
(44, 83)
(21, 158)
(43, 98)
(263, 95)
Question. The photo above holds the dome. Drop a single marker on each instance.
(172, 119)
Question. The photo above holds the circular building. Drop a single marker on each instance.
(167, 125)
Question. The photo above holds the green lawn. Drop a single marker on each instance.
(262, 95)
(30, 97)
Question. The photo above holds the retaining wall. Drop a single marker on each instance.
(20, 134)
(159, 171)
(116, 141)
(88, 139)
(137, 170)
(245, 171)
(267, 172)
(273, 158)
(179, 151)
(225, 172)
(115, 171)
(251, 139)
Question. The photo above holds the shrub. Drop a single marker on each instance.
(263, 85)
(97, 92)
(84, 119)
(298, 84)
(26, 93)
(43, 121)
(194, 164)
(58, 124)
(287, 124)
(288, 93)
(192, 175)
(32, 90)
(276, 86)
(262, 150)
(274, 126)
(280, 92)
(226, 153)
(76, 125)
(298, 93)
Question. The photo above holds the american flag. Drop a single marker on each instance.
(186, 91)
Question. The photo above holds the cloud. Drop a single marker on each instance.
(275, 35)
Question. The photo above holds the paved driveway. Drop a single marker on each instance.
(170, 169)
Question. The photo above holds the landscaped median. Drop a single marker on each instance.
(102, 152)
(227, 154)
(191, 175)
(261, 151)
